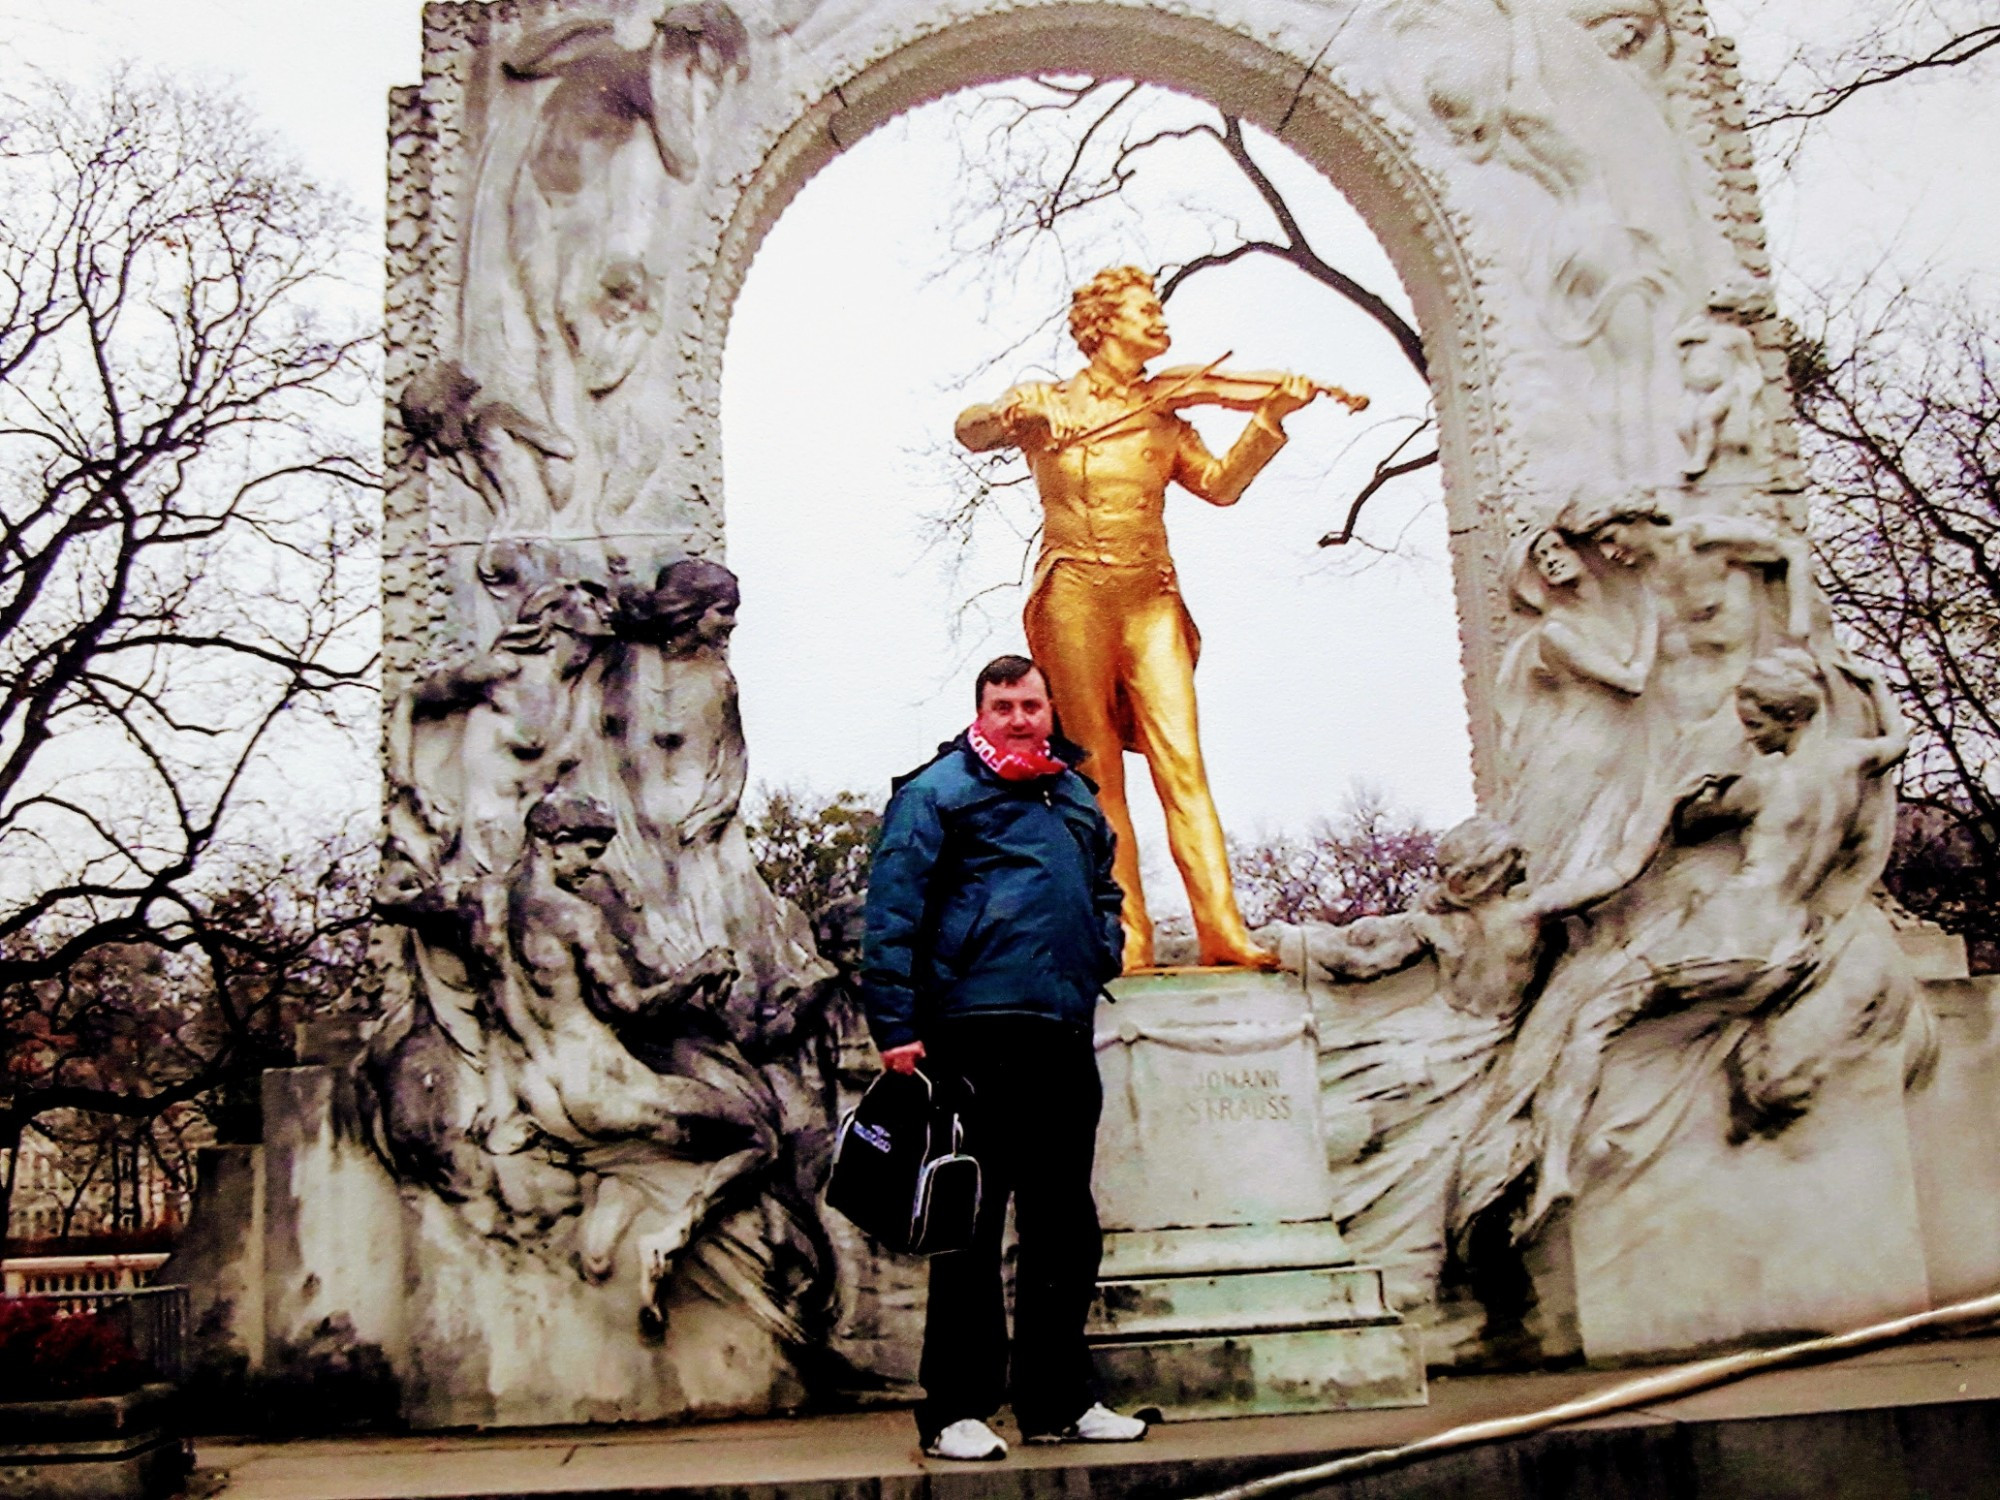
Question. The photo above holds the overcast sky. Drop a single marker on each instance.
(849, 356)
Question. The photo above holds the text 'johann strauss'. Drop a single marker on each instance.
(1239, 1094)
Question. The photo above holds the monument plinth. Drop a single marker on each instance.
(1226, 1288)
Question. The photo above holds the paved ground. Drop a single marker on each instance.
(868, 1455)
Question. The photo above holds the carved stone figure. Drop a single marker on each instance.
(1619, 687)
(1552, 90)
(564, 292)
(1711, 574)
(571, 1061)
(1484, 925)
(478, 741)
(670, 715)
(501, 453)
(1491, 937)
(1725, 434)
(1574, 728)
(601, 1075)
(1738, 924)
(579, 238)
(1105, 618)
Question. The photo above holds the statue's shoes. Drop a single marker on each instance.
(1243, 956)
(969, 1440)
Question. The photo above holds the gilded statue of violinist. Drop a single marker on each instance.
(1105, 617)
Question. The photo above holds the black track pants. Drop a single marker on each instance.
(1031, 1123)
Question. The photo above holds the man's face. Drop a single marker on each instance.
(1016, 717)
(1140, 324)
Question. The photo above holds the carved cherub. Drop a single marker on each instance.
(1724, 430)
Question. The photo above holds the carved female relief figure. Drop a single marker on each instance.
(1573, 95)
(1576, 735)
(593, 130)
(670, 704)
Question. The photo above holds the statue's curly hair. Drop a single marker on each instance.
(1586, 515)
(1788, 682)
(1471, 849)
(1092, 305)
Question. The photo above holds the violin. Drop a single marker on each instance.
(1239, 390)
(1183, 386)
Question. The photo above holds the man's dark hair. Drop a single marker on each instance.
(1005, 671)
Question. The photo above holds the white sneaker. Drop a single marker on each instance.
(969, 1439)
(1098, 1425)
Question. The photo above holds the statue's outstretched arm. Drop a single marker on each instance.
(1370, 947)
(1023, 413)
(1891, 741)
(1222, 481)
(554, 50)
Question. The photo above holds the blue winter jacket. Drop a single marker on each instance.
(988, 896)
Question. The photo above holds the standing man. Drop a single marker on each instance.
(1105, 615)
(992, 927)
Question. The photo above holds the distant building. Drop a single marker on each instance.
(91, 1192)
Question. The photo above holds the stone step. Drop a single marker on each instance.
(1221, 1247)
(1921, 1422)
(1239, 1302)
(1348, 1368)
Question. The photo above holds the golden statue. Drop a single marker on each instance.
(1105, 617)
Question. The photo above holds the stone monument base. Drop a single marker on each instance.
(1226, 1289)
(325, 1298)
(1250, 1321)
(1711, 1244)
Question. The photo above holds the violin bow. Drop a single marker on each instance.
(1152, 403)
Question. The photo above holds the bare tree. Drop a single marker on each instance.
(1370, 860)
(1907, 42)
(185, 590)
(813, 849)
(1900, 415)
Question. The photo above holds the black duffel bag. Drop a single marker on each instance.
(898, 1170)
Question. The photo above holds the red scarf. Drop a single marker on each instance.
(1026, 767)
